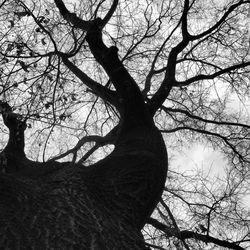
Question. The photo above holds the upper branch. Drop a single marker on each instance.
(110, 12)
(78, 22)
(71, 17)
(222, 19)
(133, 107)
(169, 79)
(211, 76)
(134, 110)
(184, 29)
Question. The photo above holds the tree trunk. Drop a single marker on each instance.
(104, 206)
(64, 206)
(100, 207)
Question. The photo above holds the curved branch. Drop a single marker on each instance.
(217, 25)
(184, 30)
(110, 13)
(80, 143)
(186, 234)
(169, 80)
(173, 221)
(78, 22)
(100, 141)
(167, 109)
(134, 110)
(105, 93)
(212, 76)
(201, 131)
(71, 17)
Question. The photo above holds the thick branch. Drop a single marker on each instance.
(185, 234)
(13, 154)
(110, 13)
(169, 80)
(184, 29)
(134, 111)
(71, 17)
(16, 127)
(78, 22)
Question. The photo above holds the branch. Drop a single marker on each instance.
(80, 143)
(13, 154)
(129, 93)
(110, 13)
(173, 221)
(217, 25)
(71, 17)
(185, 33)
(185, 234)
(212, 76)
(100, 141)
(167, 109)
(134, 111)
(3, 3)
(82, 24)
(169, 79)
(105, 93)
(226, 141)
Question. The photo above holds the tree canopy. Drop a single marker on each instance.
(61, 68)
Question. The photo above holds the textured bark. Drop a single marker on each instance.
(100, 207)
(67, 206)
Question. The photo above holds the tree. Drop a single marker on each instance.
(107, 72)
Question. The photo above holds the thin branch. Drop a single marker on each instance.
(100, 141)
(202, 131)
(152, 70)
(173, 221)
(212, 76)
(169, 80)
(168, 109)
(91, 138)
(105, 93)
(223, 18)
(185, 234)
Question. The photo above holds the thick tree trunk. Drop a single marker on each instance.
(104, 206)
(64, 206)
(100, 207)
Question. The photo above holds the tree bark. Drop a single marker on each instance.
(67, 206)
(100, 207)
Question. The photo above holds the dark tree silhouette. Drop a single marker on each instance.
(158, 71)
(102, 207)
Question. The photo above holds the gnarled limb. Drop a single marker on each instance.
(13, 154)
